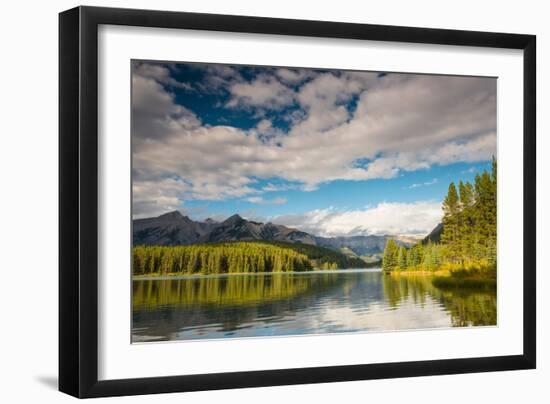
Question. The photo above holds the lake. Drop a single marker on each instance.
(253, 305)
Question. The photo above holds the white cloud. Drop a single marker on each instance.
(423, 184)
(294, 76)
(152, 198)
(159, 73)
(323, 98)
(155, 115)
(264, 91)
(255, 199)
(400, 123)
(260, 200)
(265, 130)
(413, 219)
(279, 187)
(217, 78)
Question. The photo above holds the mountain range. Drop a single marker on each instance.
(176, 229)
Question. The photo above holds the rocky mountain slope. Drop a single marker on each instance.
(176, 229)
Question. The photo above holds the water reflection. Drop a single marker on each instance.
(306, 303)
(228, 290)
(466, 307)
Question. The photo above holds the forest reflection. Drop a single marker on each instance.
(299, 303)
(466, 306)
(227, 290)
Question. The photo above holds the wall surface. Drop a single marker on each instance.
(28, 170)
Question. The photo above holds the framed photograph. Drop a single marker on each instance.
(251, 201)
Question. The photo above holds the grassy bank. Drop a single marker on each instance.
(419, 273)
(485, 278)
(450, 278)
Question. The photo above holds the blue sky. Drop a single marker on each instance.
(330, 152)
(427, 185)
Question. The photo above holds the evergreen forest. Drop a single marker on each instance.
(469, 238)
(237, 257)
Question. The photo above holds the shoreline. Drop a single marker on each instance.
(445, 279)
(202, 276)
(441, 272)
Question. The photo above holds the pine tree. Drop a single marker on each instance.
(402, 258)
(469, 237)
(450, 223)
(492, 240)
(427, 262)
(466, 222)
(390, 256)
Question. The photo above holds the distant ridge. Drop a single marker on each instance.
(173, 228)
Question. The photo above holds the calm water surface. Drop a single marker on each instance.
(225, 306)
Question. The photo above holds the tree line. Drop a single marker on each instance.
(424, 257)
(236, 257)
(469, 237)
(322, 257)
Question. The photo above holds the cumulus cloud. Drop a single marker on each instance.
(260, 200)
(155, 115)
(279, 187)
(152, 198)
(265, 130)
(217, 78)
(264, 91)
(159, 73)
(294, 76)
(343, 126)
(413, 219)
(423, 184)
(324, 97)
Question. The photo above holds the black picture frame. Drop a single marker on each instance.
(78, 201)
